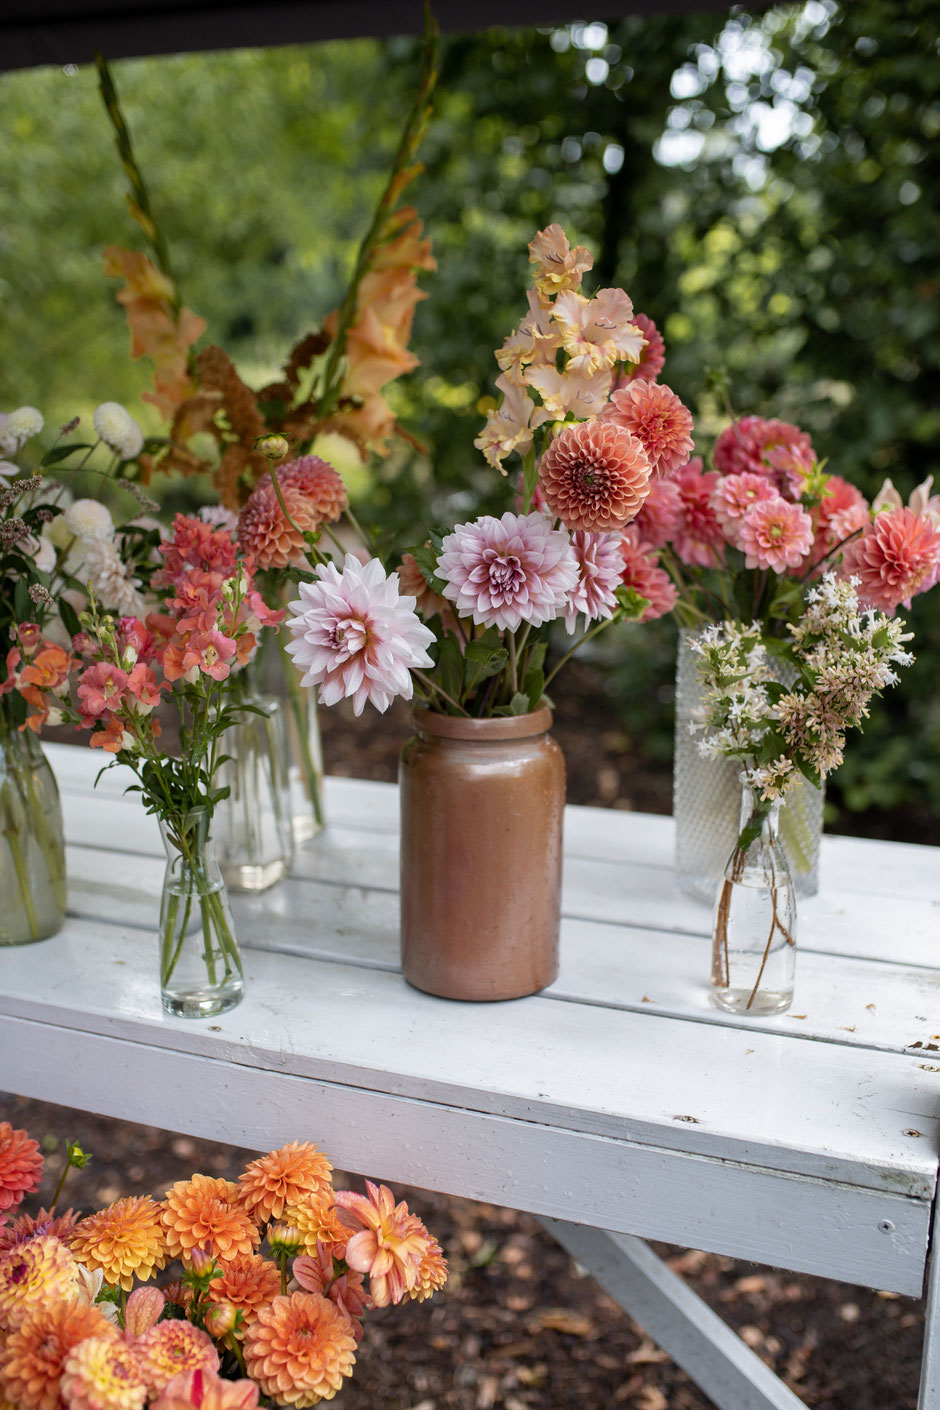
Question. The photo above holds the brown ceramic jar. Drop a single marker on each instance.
(481, 822)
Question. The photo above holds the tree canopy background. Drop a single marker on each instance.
(762, 183)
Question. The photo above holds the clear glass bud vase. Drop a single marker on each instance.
(304, 752)
(754, 937)
(32, 845)
(253, 830)
(200, 966)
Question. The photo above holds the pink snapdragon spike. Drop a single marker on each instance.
(503, 572)
(600, 565)
(897, 557)
(775, 534)
(101, 689)
(642, 572)
(595, 475)
(355, 635)
(656, 416)
(698, 540)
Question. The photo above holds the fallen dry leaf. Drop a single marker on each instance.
(559, 1319)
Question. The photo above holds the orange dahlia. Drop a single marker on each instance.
(248, 1283)
(20, 1166)
(205, 1213)
(283, 1177)
(654, 414)
(432, 1270)
(33, 1355)
(299, 1348)
(171, 1347)
(125, 1241)
(313, 493)
(316, 1218)
(595, 475)
(101, 1373)
(33, 1273)
(390, 1246)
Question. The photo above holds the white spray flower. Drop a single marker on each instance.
(118, 429)
(17, 427)
(88, 519)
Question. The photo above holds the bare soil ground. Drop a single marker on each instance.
(519, 1326)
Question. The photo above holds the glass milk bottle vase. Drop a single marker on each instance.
(200, 966)
(754, 937)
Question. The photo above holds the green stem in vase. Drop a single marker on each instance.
(312, 776)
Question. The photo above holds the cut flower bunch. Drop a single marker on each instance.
(264, 1286)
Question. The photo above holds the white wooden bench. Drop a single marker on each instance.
(617, 1106)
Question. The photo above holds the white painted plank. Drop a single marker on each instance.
(676, 1318)
(758, 1098)
(930, 1370)
(876, 1238)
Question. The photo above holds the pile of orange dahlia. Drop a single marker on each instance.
(268, 1280)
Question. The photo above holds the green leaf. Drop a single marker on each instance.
(449, 668)
(57, 453)
(22, 606)
(632, 605)
(519, 704)
(69, 617)
(426, 556)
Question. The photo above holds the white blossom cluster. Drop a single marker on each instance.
(839, 658)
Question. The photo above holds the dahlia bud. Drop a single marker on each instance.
(222, 1319)
(202, 1266)
(274, 447)
(285, 1238)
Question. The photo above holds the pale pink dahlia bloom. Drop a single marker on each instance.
(600, 564)
(642, 572)
(656, 416)
(355, 635)
(897, 557)
(503, 572)
(775, 534)
(734, 495)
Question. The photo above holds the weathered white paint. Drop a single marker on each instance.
(676, 1318)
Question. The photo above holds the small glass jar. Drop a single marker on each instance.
(32, 842)
(200, 964)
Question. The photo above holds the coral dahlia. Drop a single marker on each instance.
(101, 1373)
(319, 1224)
(313, 493)
(698, 539)
(205, 1214)
(20, 1166)
(744, 445)
(355, 635)
(33, 1355)
(248, 1283)
(655, 415)
(775, 534)
(126, 1241)
(897, 557)
(299, 1348)
(503, 572)
(33, 1273)
(389, 1245)
(279, 1178)
(595, 475)
(165, 1350)
(642, 573)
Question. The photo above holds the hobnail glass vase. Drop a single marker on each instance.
(32, 844)
(706, 794)
(254, 836)
(200, 966)
(754, 935)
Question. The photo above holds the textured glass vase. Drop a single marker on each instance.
(706, 798)
(32, 845)
(253, 832)
(200, 966)
(754, 935)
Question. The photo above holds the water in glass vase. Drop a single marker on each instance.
(754, 938)
(200, 964)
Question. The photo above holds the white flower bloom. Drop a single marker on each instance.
(218, 516)
(18, 427)
(89, 519)
(115, 591)
(6, 466)
(44, 555)
(118, 429)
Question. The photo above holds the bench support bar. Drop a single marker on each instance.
(930, 1372)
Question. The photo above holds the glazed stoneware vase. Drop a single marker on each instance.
(482, 803)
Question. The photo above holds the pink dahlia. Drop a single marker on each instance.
(896, 557)
(595, 475)
(642, 573)
(314, 494)
(20, 1165)
(661, 514)
(600, 564)
(355, 635)
(652, 358)
(655, 415)
(734, 495)
(842, 512)
(698, 540)
(775, 534)
(503, 572)
(744, 445)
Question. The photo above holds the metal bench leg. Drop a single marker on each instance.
(678, 1320)
(930, 1370)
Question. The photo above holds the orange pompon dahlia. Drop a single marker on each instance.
(313, 493)
(595, 475)
(33, 1273)
(171, 1347)
(102, 1373)
(205, 1213)
(20, 1166)
(390, 1244)
(247, 1283)
(283, 1177)
(33, 1355)
(653, 413)
(126, 1241)
(319, 1223)
(299, 1348)
(205, 1391)
(432, 1271)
